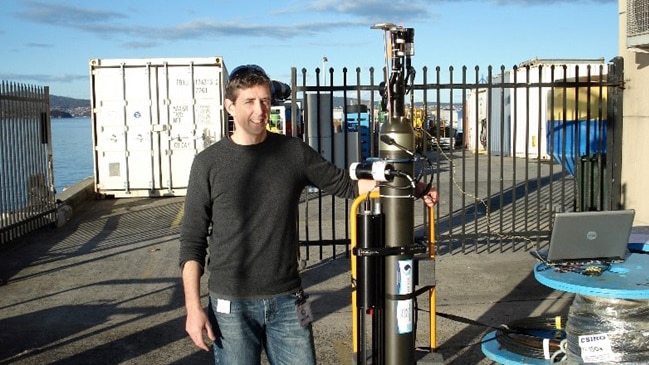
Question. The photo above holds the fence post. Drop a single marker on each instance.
(614, 132)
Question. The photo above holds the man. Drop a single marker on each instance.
(243, 194)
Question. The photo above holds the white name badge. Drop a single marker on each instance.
(222, 306)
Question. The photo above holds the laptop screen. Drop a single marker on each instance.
(590, 235)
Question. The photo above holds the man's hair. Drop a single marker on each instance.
(244, 77)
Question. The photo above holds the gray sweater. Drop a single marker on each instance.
(249, 197)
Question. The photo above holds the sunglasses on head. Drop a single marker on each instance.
(245, 69)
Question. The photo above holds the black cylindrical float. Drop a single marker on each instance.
(369, 264)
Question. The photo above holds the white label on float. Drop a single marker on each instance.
(596, 348)
(404, 286)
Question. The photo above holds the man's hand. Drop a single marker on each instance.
(429, 198)
(197, 324)
(366, 186)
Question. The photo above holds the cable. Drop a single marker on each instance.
(622, 322)
(416, 157)
(536, 337)
(563, 350)
(472, 196)
(586, 267)
(407, 176)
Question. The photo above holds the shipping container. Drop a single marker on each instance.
(150, 117)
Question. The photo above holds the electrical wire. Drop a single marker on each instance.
(625, 322)
(586, 268)
(535, 337)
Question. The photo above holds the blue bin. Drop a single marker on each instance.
(357, 119)
(582, 137)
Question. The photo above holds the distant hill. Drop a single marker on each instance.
(64, 107)
(62, 102)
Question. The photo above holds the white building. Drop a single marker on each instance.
(633, 47)
(510, 116)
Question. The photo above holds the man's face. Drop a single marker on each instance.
(250, 112)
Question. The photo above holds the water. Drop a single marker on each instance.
(72, 151)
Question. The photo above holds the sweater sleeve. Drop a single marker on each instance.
(327, 176)
(197, 215)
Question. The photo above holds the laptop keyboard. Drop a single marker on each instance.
(588, 267)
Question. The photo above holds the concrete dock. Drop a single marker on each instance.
(105, 289)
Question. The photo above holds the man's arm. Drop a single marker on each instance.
(197, 320)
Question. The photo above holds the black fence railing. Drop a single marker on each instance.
(27, 199)
(507, 147)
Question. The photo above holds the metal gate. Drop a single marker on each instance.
(26, 174)
(507, 147)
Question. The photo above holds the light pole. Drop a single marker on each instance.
(324, 72)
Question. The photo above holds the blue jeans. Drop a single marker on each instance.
(251, 325)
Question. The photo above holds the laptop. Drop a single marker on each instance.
(590, 236)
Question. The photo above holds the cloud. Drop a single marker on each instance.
(140, 44)
(345, 15)
(114, 24)
(66, 15)
(101, 22)
(40, 45)
(401, 10)
(210, 29)
(546, 2)
(374, 10)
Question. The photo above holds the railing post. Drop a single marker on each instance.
(614, 132)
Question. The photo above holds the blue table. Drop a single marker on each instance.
(624, 280)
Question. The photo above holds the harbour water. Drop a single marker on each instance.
(72, 151)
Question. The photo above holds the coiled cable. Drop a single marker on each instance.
(624, 322)
(534, 337)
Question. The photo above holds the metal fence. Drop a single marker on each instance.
(507, 147)
(27, 199)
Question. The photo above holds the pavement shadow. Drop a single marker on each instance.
(334, 296)
(465, 346)
(23, 251)
(93, 230)
(112, 332)
(54, 335)
(129, 319)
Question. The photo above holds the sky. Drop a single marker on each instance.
(50, 42)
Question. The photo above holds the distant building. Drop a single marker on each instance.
(510, 121)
